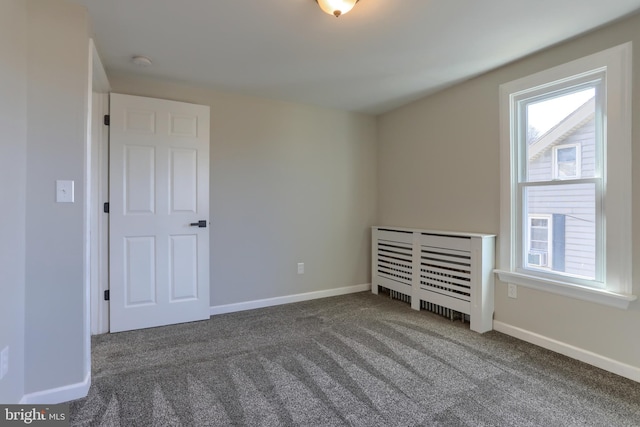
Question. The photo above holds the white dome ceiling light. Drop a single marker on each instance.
(336, 7)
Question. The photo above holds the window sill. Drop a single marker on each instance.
(599, 296)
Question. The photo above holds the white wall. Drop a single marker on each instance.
(438, 168)
(289, 183)
(13, 122)
(57, 56)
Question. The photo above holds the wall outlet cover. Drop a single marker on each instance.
(64, 191)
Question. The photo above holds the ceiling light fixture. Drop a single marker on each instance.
(336, 7)
(141, 61)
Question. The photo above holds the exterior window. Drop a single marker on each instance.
(539, 241)
(567, 161)
(565, 145)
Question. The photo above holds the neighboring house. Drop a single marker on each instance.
(561, 220)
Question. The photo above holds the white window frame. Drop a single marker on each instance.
(549, 251)
(578, 148)
(614, 286)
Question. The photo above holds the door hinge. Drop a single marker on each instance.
(107, 120)
(106, 295)
(105, 207)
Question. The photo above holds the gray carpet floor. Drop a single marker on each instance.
(360, 359)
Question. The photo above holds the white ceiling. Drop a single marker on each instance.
(382, 54)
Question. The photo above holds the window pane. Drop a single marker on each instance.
(539, 234)
(561, 120)
(572, 208)
(540, 246)
(567, 170)
(538, 222)
(567, 154)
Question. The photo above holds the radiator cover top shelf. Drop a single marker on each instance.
(449, 269)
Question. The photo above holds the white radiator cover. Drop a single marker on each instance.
(450, 269)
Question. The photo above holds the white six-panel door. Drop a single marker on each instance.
(158, 187)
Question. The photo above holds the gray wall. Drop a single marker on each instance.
(55, 332)
(439, 168)
(13, 122)
(289, 183)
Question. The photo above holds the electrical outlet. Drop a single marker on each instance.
(512, 291)
(301, 268)
(4, 362)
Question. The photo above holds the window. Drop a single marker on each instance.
(566, 179)
(567, 161)
(569, 114)
(539, 241)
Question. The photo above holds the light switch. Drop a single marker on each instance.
(64, 191)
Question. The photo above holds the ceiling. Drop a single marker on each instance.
(382, 54)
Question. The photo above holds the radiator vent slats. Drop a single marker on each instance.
(440, 275)
(395, 261)
(446, 272)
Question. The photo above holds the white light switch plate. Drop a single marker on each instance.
(64, 191)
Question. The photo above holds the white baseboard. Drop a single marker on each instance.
(59, 394)
(586, 356)
(268, 302)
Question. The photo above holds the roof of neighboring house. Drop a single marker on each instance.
(562, 130)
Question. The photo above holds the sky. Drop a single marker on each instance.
(546, 114)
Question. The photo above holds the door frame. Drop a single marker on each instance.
(96, 193)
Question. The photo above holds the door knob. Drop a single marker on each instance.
(202, 223)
